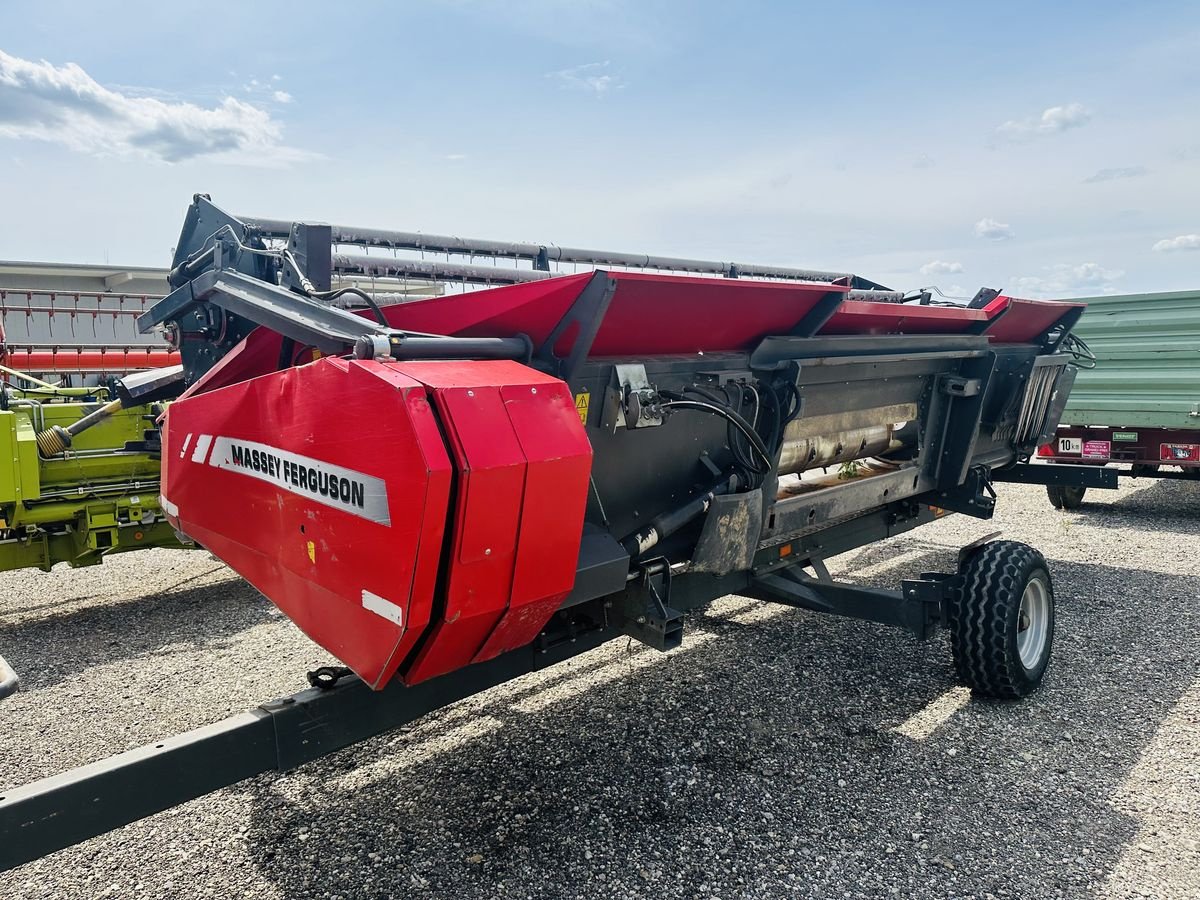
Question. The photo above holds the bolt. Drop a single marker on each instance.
(470, 393)
(487, 552)
(533, 390)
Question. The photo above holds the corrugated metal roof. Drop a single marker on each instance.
(1147, 370)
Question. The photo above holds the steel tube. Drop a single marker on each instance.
(462, 348)
(91, 361)
(824, 450)
(440, 243)
(383, 267)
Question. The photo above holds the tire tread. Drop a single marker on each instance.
(993, 580)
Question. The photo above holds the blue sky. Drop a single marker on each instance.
(1044, 148)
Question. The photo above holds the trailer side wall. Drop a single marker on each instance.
(1147, 370)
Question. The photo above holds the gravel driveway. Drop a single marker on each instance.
(778, 753)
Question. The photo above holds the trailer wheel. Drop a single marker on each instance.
(1065, 496)
(1003, 625)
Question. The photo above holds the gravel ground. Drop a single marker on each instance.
(777, 753)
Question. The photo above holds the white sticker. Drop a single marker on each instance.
(168, 507)
(327, 484)
(1070, 445)
(202, 443)
(381, 607)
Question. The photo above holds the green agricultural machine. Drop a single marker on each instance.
(79, 471)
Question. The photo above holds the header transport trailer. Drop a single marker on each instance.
(1135, 409)
(449, 493)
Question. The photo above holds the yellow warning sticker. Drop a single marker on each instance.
(582, 399)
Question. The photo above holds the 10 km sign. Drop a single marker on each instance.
(1085, 449)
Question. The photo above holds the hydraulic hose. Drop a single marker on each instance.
(668, 523)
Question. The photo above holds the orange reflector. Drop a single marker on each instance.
(785, 550)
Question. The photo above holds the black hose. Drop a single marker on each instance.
(755, 441)
(737, 443)
(367, 299)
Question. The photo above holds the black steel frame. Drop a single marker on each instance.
(1059, 475)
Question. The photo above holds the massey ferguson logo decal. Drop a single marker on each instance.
(325, 483)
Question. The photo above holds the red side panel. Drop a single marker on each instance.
(655, 314)
(524, 463)
(532, 308)
(546, 423)
(483, 546)
(327, 487)
(1015, 321)
(860, 317)
(647, 315)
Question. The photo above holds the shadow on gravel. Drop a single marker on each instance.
(50, 648)
(760, 763)
(1165, 505)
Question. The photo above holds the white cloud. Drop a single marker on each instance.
(1054, 120)
(593, 78)
(938, 267)
(1182, 242)
(456, 156)
(65, 105)
(1065, 280)
(282, 97)
(1116, 174)
(992, 230)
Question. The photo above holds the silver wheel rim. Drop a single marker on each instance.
(1033, 623)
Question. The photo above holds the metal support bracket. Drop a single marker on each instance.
(630, 402)
(585, 314)
(975, 496)
(311, 246)
(918, 607)
(647, 615)
(1058, 474)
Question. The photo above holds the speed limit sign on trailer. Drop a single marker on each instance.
(1070, 445)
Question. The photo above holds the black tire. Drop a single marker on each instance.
(1065, 497)
(988, 621)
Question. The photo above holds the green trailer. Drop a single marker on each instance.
(1136, 409)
